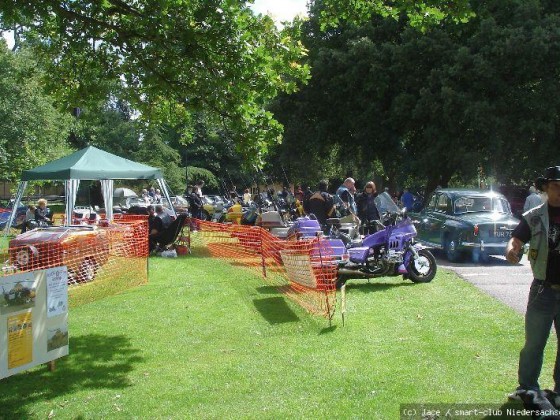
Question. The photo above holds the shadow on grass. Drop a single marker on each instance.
(327, 330)
(275, 310)
(268, 290)
(95, 362)
(364, 287)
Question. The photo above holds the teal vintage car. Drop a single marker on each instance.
(466, 222)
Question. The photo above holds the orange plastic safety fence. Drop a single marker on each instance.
(113, 256)
(304, 270)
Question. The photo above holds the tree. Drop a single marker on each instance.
(434, 105)
(421, 14)
(494, 102)
(171, 58)
(32, 131)
(155, 152)
(109, 127)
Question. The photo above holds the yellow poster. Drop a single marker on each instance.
(20, 340)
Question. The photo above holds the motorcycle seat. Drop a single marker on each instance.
(333, 221)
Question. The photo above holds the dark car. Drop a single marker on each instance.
(464, 222)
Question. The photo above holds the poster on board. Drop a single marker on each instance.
(18, 293)
(20, 340)
(57, 293)
(33, 319)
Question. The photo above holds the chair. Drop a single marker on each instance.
(168, 236)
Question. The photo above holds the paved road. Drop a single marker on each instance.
(506, 282)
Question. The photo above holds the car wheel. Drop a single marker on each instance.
(479, 256)
(24, 256)
(451, 251)
(87, 270)
(484, 257)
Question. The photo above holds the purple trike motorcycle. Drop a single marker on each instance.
(390, 251)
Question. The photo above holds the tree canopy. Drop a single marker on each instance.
(168, 58)
(427, 92)
(32, 131)
(421, 14)
(449, 102)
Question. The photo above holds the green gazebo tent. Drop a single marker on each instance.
(90, 163)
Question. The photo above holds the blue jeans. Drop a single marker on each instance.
(543, 310)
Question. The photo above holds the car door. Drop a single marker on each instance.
(425, 225)
(435, 218)
(440, 217)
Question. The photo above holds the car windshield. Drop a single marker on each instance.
(479, 204)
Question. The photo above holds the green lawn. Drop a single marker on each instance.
(205, 340)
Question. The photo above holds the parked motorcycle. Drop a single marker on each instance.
(390, 251)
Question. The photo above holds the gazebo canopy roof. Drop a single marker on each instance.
(91, 163)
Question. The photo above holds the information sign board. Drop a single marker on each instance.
(33, 319)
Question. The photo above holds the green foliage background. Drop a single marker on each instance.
(405, 93)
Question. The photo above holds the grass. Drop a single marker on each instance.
(110, 280)
(205, 340)
(4, 240)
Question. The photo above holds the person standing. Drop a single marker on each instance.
(345, 193)
(152, 194)
(367, 210)
(321, 204)
(533, 199)
(233, 192)
(157, 196)
(198, 188)
(247, 197)
(299, 195)
(195, 200)
(540, 227)
(407, 199)
(145, 196)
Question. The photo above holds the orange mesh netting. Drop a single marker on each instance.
(304, 270)
(111, 256)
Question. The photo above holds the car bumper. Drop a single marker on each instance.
(486, 246)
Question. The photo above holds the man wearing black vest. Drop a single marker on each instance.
(321, 204)
(540, 227)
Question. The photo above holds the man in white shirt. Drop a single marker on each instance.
(533, 199)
